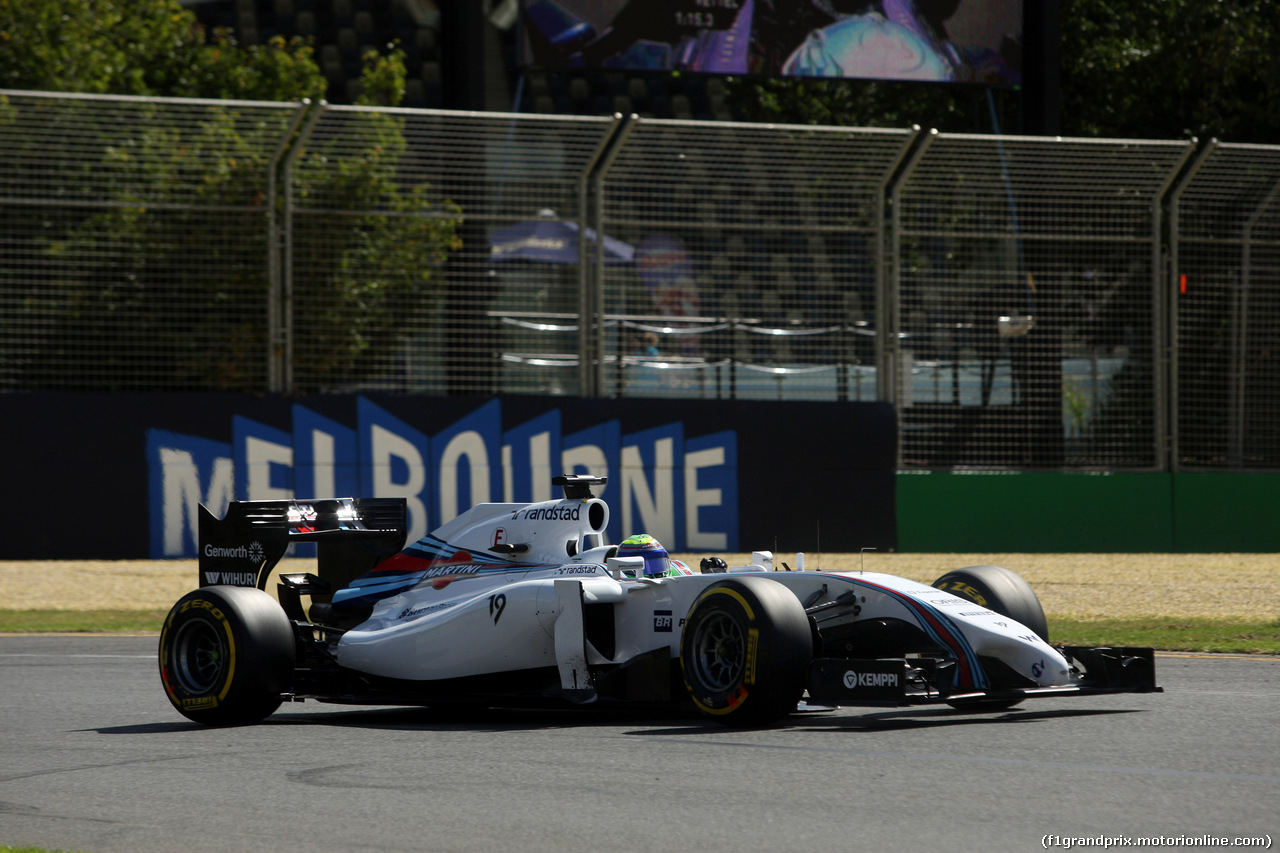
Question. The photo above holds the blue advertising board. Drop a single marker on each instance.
(698, 475)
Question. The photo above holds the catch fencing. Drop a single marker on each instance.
(1027, 303)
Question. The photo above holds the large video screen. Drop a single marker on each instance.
(954, 41)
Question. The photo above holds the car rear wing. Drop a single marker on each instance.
(352, 535)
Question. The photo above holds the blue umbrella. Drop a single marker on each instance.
(552, 241)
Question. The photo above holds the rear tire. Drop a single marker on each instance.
(1004, 591)
(226, 655)
(745, 651)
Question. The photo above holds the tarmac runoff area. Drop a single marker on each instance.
(1076, 586)
(96, 759)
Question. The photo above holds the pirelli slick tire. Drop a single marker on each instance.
(999, 589)
(1004, 591)
(226, 655)
(744, 651)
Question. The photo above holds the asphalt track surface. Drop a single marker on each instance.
(94, 759)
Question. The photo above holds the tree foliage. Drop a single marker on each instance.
(152, 48)
(394, 241)
(117, 274)
(871, 103)
(127, 292)
(1171, 68)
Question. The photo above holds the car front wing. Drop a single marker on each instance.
(895, 682)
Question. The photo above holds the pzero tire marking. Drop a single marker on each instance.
(201, 645)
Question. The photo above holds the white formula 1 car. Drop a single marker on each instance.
(521, 604)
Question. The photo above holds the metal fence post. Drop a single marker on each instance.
(590, 274)
(1164, 309)
(276, 366)
(1173, 290)
(285, 293)
(888, 292)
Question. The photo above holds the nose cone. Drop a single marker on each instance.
(1043, 665)
(1021, 648)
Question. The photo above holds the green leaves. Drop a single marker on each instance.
(151, 48)
(369, 264)
(158, 184)
(1171, 68)
(856, 103)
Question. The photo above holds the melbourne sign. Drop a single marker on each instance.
(681, 489)
(98, 475)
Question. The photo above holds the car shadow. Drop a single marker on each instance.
(146, 728)
(483, 718)
(445, 718)
(850, 720)
(892, 721)
(663, 721)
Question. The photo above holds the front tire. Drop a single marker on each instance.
(745, 650)
(226, 655)
(1007, 593)
(999, 589)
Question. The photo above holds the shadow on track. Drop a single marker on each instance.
(659, 721)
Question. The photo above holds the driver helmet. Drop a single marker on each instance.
(657, 562)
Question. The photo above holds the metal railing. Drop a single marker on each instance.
(1025, 302)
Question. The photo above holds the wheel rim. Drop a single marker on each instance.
(199, 656)
(719, 652)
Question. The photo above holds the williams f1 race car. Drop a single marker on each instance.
(524, 604)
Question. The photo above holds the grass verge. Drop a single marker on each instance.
(1164, 633)
(1172, 634)
(81, 622)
